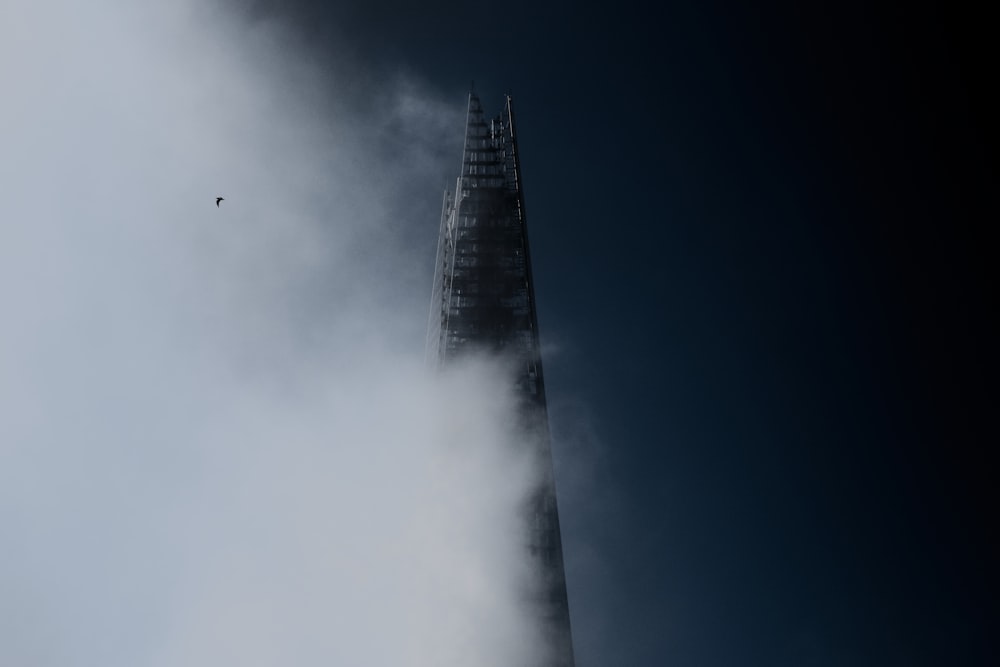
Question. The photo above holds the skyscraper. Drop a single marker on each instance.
(483, 301)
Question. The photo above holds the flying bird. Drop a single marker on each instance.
(217, 200)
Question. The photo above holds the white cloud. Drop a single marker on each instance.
(217, 442)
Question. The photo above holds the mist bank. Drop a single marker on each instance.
(218, 441)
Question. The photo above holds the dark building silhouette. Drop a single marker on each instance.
(483, 301)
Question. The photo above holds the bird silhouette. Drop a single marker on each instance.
(217, 200)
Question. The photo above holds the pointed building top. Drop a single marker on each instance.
(474, 104)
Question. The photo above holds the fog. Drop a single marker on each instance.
(218, 442)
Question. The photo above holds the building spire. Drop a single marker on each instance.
(484, 301)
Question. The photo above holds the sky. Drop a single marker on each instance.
(764, 283)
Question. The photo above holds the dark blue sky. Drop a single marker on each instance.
(759, 235)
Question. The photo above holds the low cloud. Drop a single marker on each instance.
(218, 443)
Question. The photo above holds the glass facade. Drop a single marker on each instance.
(483, 301)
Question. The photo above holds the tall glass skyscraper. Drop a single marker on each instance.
(483, 301)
